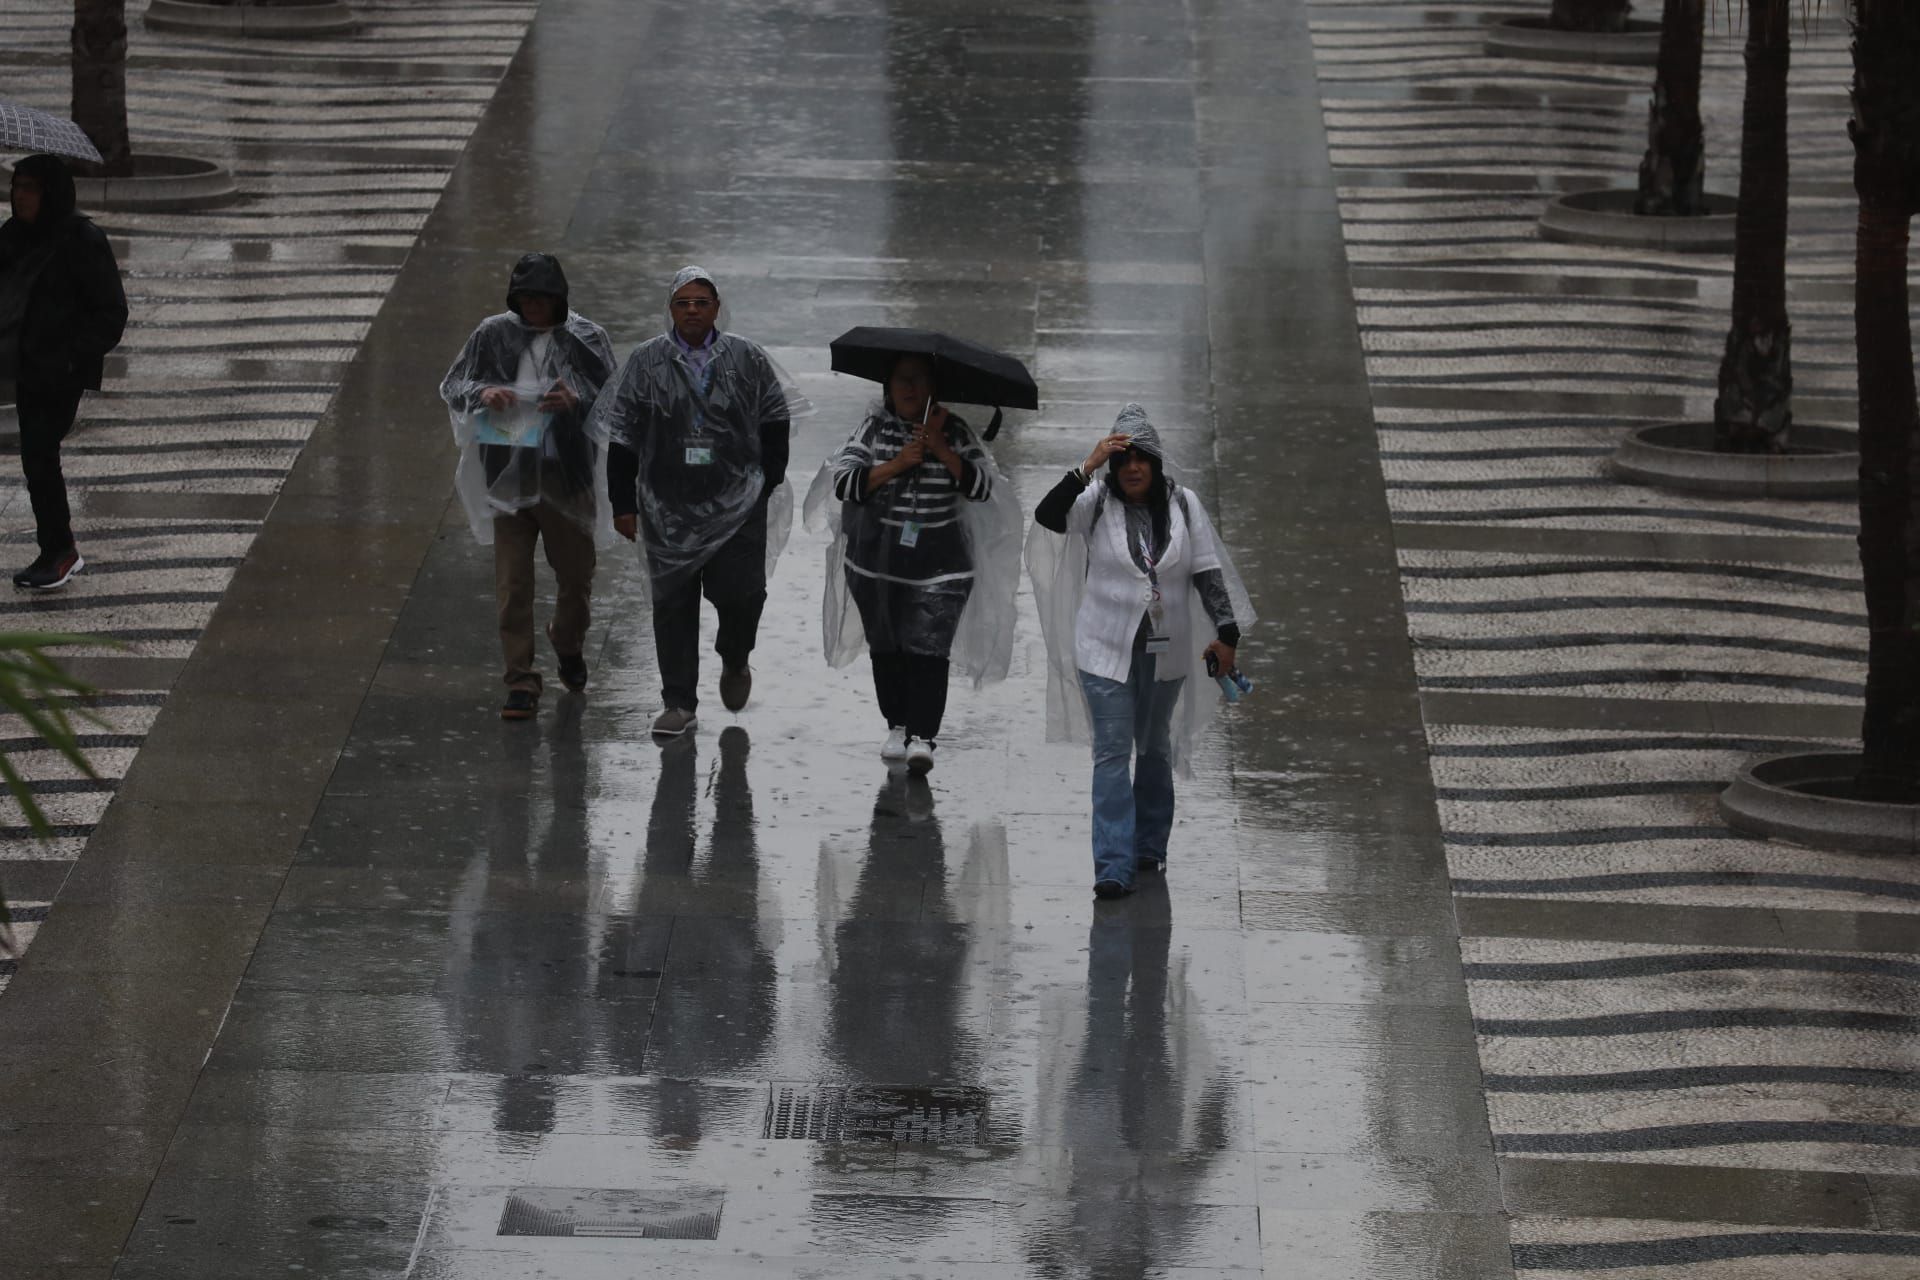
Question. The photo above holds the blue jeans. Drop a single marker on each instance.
(1132, 815)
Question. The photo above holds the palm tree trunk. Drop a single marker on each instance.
(100, 80)
(1886, 174)
(1754, 409)
(1674, 168)
(1589, 15)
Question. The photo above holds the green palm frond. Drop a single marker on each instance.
(36, 688)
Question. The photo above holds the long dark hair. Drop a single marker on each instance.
(1159, 493)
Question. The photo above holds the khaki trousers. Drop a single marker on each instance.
(570, 553)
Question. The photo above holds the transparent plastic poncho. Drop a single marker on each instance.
(697, 438)
(1058, 564)
(951, 592)
(519, 457)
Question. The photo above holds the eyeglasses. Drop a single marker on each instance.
(695, 304)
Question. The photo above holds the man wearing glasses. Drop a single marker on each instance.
(698, 427)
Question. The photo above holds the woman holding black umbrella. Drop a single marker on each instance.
(925, 557)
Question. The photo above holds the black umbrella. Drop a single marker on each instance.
(964, 372)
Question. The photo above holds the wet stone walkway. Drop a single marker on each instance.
(353, 980)
(243, 319)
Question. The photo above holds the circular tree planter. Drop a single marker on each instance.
(1607, 217)
(1532, 37)
(1824, 462)
(279, 18)
(160, 184)
(1808, 799)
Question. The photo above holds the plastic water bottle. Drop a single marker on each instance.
(1233, 685)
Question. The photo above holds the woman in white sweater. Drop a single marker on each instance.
(1156, 598)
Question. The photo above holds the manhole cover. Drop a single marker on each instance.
(876, 1113)
(636, 1215)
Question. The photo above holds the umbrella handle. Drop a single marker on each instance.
(993, 427)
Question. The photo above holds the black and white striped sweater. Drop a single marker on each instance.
(927, 498)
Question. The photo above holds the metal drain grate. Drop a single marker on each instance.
(876, 1113)
(633, 1215)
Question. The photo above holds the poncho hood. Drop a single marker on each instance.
(1141, 434)
(537, 273)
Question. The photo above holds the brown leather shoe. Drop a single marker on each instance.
(521, 704)
(736, 686)
(673, 723)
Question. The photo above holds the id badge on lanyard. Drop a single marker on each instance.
(1158, 641)
(701, 455)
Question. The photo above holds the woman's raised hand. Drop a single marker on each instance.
(931, 435)
(1108, 446)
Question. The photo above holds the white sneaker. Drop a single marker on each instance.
(919, 755)
(895, 747)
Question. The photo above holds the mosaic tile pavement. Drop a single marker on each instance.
(242, 318)
(1595, 880)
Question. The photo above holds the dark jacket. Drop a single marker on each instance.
(75, 308)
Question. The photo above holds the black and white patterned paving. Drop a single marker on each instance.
(241, 319)
(1596, 659)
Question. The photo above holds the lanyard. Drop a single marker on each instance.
(705, 385)
(1148, 559)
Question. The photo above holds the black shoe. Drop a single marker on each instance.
(573, 670)
(50, 569)
(736, 686)
(1150, 867)
(521, 704)
(1111, 889)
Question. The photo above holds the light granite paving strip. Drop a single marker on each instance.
(241, 319)
(1650, 990)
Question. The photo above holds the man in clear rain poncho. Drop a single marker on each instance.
(698, 425)
(533, 464)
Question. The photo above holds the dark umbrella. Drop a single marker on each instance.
(27, 129)
(964, 372)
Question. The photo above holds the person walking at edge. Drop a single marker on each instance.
(698, 426)
(1124, 599)
(62, 309)
(532, 464)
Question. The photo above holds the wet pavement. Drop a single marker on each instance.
(1698, 1048)
(354, 979)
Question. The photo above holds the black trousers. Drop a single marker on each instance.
(912, 688)
(46, 415)
(734, 581)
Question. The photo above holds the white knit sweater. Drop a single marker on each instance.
(1117, 589)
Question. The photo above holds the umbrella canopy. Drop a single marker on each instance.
(25, 129)
(965, 372)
